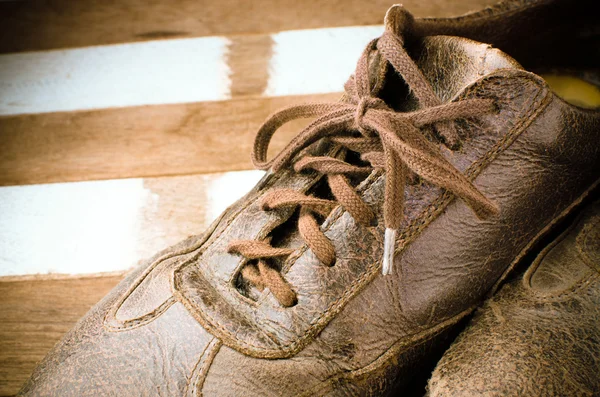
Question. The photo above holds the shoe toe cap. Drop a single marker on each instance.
(152, 357)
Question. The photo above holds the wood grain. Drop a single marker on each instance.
(35, 314)
(43, 25)
(145, 141)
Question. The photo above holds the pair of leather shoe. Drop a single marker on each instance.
(381, 227)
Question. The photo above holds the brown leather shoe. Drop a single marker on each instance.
(540, 335)
(441, 179)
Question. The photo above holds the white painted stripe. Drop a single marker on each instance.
(316, 61)
(105, 226)
(148, 73)
(172, 71)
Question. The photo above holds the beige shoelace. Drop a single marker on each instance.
(385, 139)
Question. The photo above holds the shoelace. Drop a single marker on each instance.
(387, 140)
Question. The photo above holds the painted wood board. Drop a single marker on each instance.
(107, 226)
(157, 72)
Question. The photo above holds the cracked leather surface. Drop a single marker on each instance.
(353, 331)
(540, 335)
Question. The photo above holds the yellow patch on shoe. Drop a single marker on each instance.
(574, 90)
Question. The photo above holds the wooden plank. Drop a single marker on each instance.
(34, 314)
(107, 226)
(181, 70)
(141, 141)
(44, 25)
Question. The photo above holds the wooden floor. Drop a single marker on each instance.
(35, 313)
(171, 157)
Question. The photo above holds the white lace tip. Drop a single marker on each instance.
(389, 247)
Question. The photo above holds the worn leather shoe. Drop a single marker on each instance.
(540, 335)
(384, 222)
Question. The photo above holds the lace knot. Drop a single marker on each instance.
(390, 140)
(364, 104)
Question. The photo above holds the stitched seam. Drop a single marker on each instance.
(200, 377)
(214, 325)
(210, 322)
(194, 374)
(581, 284)
(582, 246)
(390, 354)
(540, 258)
(204, 371)
(139, 321)
(549, 97)
(526, 280)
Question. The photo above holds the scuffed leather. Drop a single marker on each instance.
(152, 360)
(353, 331)
(476, 59)
(540, 335)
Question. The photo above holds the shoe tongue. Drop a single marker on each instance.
(451, 63)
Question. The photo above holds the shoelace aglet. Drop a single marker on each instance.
(389, 248)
